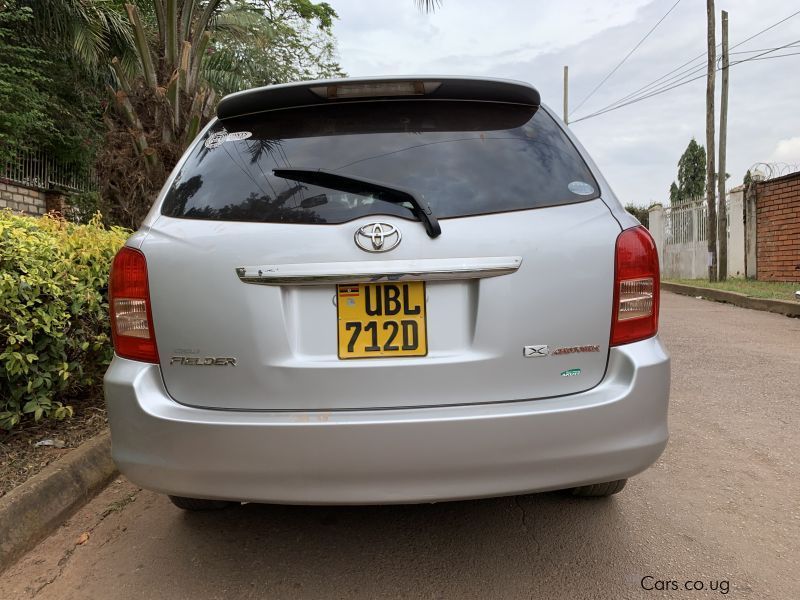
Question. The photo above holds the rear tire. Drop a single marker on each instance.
(195, 504)
(598, 490)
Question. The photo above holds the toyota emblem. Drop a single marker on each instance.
(377, 237)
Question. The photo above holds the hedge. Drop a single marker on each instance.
(55, 340)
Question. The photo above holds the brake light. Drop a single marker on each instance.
(129, 305)
(636, 287)
(375, 89)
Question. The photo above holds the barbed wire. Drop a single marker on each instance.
(627, 56)
(764, 171)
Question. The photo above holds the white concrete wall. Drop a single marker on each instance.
(685, 261)
(736, 246)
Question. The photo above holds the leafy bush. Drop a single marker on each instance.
(55, 340)
(640, 212)
(82, 207)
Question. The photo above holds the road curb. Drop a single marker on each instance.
(32, 510)
(782, 307)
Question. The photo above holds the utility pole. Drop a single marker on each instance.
(722, 231)
(710, 171)
(566, 95)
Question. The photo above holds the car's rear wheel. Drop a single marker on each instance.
(600, 489)
(195, 504)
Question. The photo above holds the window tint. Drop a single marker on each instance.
(464, 158)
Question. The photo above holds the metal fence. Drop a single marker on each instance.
(38, 170)
(688, 223)
(685, 223)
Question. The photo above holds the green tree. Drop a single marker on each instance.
(24, 116)
(186, 52)
(691, 173)
(674, 194)
(50, 71)
(294, 41)
(303, 46)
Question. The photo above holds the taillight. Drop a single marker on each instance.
(636, 284)
(129, 305)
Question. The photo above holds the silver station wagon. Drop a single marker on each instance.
(382, 290)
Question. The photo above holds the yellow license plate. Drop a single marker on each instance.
(381, 320)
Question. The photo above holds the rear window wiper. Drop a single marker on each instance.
(360, 186)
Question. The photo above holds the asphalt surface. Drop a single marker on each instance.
(720, 508)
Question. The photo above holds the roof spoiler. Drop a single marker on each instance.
(309, 93)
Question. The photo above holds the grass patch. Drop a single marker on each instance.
(776, 290)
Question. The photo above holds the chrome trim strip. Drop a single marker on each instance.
(427, 269)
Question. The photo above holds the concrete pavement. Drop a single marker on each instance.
(719, 509)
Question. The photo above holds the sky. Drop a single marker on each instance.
(637, 147)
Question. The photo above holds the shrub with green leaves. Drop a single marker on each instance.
(55, 338)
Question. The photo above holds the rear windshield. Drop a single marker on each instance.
(463, 158)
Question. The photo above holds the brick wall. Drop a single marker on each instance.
(22, 199)
(778, 229)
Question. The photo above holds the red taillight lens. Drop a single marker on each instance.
(129, 305)
(636, 285)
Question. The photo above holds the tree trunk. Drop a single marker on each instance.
(142, 46)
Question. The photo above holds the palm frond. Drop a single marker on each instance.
(88, 42)
(226, 72)
(91, 31)
(129, 65)
(242, 24)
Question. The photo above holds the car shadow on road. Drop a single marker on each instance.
(494, 547)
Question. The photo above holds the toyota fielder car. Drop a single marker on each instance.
(382, 290)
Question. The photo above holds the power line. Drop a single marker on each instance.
(758, 56)
(627, 56)
(682, 83)
(758, 50)
(794, 14)
(778, 56)
(686, 72)
(699, 56)
(685, 76)
(663, 77)
(667, 89)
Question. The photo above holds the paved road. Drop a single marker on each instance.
(722, 505)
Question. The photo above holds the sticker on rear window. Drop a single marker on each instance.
(216, 139)
(238, 135)
(220, 137)
(581, 188)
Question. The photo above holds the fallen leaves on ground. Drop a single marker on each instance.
(21, 459)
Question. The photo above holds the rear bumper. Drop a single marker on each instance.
(615, 430)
